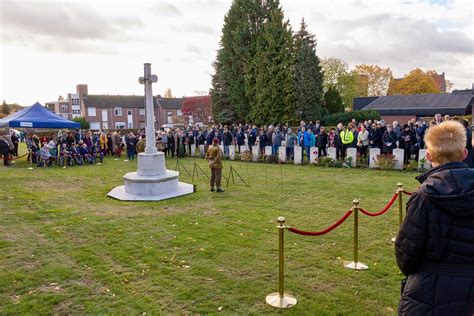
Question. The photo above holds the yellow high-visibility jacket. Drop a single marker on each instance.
(347, 137)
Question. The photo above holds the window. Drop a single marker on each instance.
(119, 124)
(91, 112)
(64, 107)
(76, 112)
(95, 125)
(129, 112)
(179, 113)
(130, 125)
(142, 111)
(118, 112)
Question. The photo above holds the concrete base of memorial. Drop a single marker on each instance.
(152, 182)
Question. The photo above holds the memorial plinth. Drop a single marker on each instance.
(151, 182)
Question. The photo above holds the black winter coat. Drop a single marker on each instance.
(435, 244)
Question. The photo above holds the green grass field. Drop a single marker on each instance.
(66, 248)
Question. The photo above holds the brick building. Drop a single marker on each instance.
(402, 108)
(128, 111)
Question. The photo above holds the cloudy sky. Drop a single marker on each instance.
(47, 47)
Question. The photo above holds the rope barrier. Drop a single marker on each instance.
(322, 232)
(18, 157)
(407, 193)
(385, 209)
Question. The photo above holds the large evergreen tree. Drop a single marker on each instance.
(332, 100)
(308, 76)
(273, 69)
(242, 25)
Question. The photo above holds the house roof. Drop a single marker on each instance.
(171, 104)
(360, 102)
(423, 104)
(129, 101)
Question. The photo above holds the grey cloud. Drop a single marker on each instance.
(194, 28)
(403, 35)
(62, 20)
(165, 9)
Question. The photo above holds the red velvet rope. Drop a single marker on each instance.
(322, 232)
(407, 193)
(386, 208)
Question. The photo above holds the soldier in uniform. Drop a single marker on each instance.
(214, 158)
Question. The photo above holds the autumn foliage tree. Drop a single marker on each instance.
(168, 94)
(415, 82)
(376, 78)
(348, 83)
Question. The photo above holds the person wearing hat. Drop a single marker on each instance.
(214, 158)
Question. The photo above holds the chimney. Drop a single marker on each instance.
(81, 90)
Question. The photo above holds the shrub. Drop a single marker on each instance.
(385, 162)
(272, 159)
(360, 116)
(412, 165)
(83, 122)
(325, 161)
(246, 156)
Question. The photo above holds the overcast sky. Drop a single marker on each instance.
(47, 47)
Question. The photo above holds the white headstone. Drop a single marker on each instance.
(398, 154)
(352, 153)
(268, 150)
(332, 152)
(232, 152)
(313, 155)
(374, 152)
(255, 153)
(222, 148)
(201, 151)
(193, 150)
(298, 155)
(422, 158)
(244, 148)
(282, 153)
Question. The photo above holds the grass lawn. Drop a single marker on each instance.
(67, 248)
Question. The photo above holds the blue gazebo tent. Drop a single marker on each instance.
(37, 116)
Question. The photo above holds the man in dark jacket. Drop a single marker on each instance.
(435, 244)
(15, 140)
(5, 149)
(407, 140)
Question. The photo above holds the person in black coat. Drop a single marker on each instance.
(407, 140)
(322, 142)
(5, 150)
(389, 140)
(15, 141)
(435, 244)
(375, 136)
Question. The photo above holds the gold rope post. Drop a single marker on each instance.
(400, 206)
(356, 265)
(281, 299)
(400, 203)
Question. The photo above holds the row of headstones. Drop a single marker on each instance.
(398, 154)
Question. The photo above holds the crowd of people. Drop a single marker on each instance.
(360, 135)
(68, 148)
(78, 147)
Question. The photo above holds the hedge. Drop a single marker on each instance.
(345, 117)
